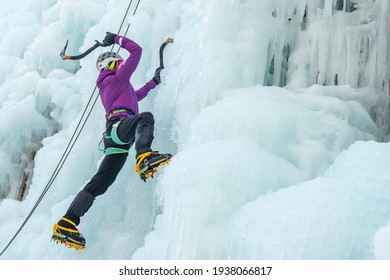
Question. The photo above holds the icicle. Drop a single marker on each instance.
(350, 6)
(328, 8)
(339, 5)
(304, 19)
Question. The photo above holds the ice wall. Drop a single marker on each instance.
(329, 42)
(37, 90)
(334, 216)
(245, 155)
(281, 139)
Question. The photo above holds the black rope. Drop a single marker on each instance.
(79, 128)
(128, 26)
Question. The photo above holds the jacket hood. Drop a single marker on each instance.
(102, 75)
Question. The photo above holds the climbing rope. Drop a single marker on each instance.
(72, 141)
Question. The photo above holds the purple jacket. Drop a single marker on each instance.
(116, 91)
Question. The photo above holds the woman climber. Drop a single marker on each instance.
(124, 126)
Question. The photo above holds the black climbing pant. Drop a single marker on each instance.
(137, 128)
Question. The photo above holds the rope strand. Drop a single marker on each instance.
(128, 26)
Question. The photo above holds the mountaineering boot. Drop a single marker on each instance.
(65, 232)
(149, 162)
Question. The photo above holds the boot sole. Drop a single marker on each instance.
(67, 243)
(164, 160)
(149, 170)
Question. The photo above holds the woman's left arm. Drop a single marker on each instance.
(143, 91)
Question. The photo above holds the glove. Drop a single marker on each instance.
(157, 78)
(109, 39)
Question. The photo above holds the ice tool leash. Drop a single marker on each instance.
(83, 119)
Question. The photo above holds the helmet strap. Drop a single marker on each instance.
(115, 64)
(111, 65)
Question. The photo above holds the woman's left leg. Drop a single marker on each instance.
(105, 176)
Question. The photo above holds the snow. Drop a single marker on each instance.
(279, 130)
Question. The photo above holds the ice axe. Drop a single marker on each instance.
(167, 41)
(98, 44)
(80, 56)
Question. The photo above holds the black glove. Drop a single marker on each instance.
(157, 78)
(109, 39)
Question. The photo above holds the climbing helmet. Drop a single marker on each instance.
(108, 60)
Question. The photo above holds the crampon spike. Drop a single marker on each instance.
(68, 244)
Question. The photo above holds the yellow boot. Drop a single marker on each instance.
(65, 232)
(148, 163)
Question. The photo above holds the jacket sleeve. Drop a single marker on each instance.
(129, 66)
(143, 91)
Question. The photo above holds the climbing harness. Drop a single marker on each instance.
(115, 138)
(116, 111)
(114, 134)
(80, 126)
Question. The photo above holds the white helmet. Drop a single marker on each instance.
(104, 60)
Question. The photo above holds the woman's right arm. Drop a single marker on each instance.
(129, 66)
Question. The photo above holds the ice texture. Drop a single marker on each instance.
(277, 113)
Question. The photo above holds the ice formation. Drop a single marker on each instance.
(277, 113)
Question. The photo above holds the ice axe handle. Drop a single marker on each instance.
(168, 41)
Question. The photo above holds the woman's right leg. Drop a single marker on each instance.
(139, 128)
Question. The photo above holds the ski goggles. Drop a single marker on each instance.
(116, 64)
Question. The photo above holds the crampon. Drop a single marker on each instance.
(71, 238)
(148, 163)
